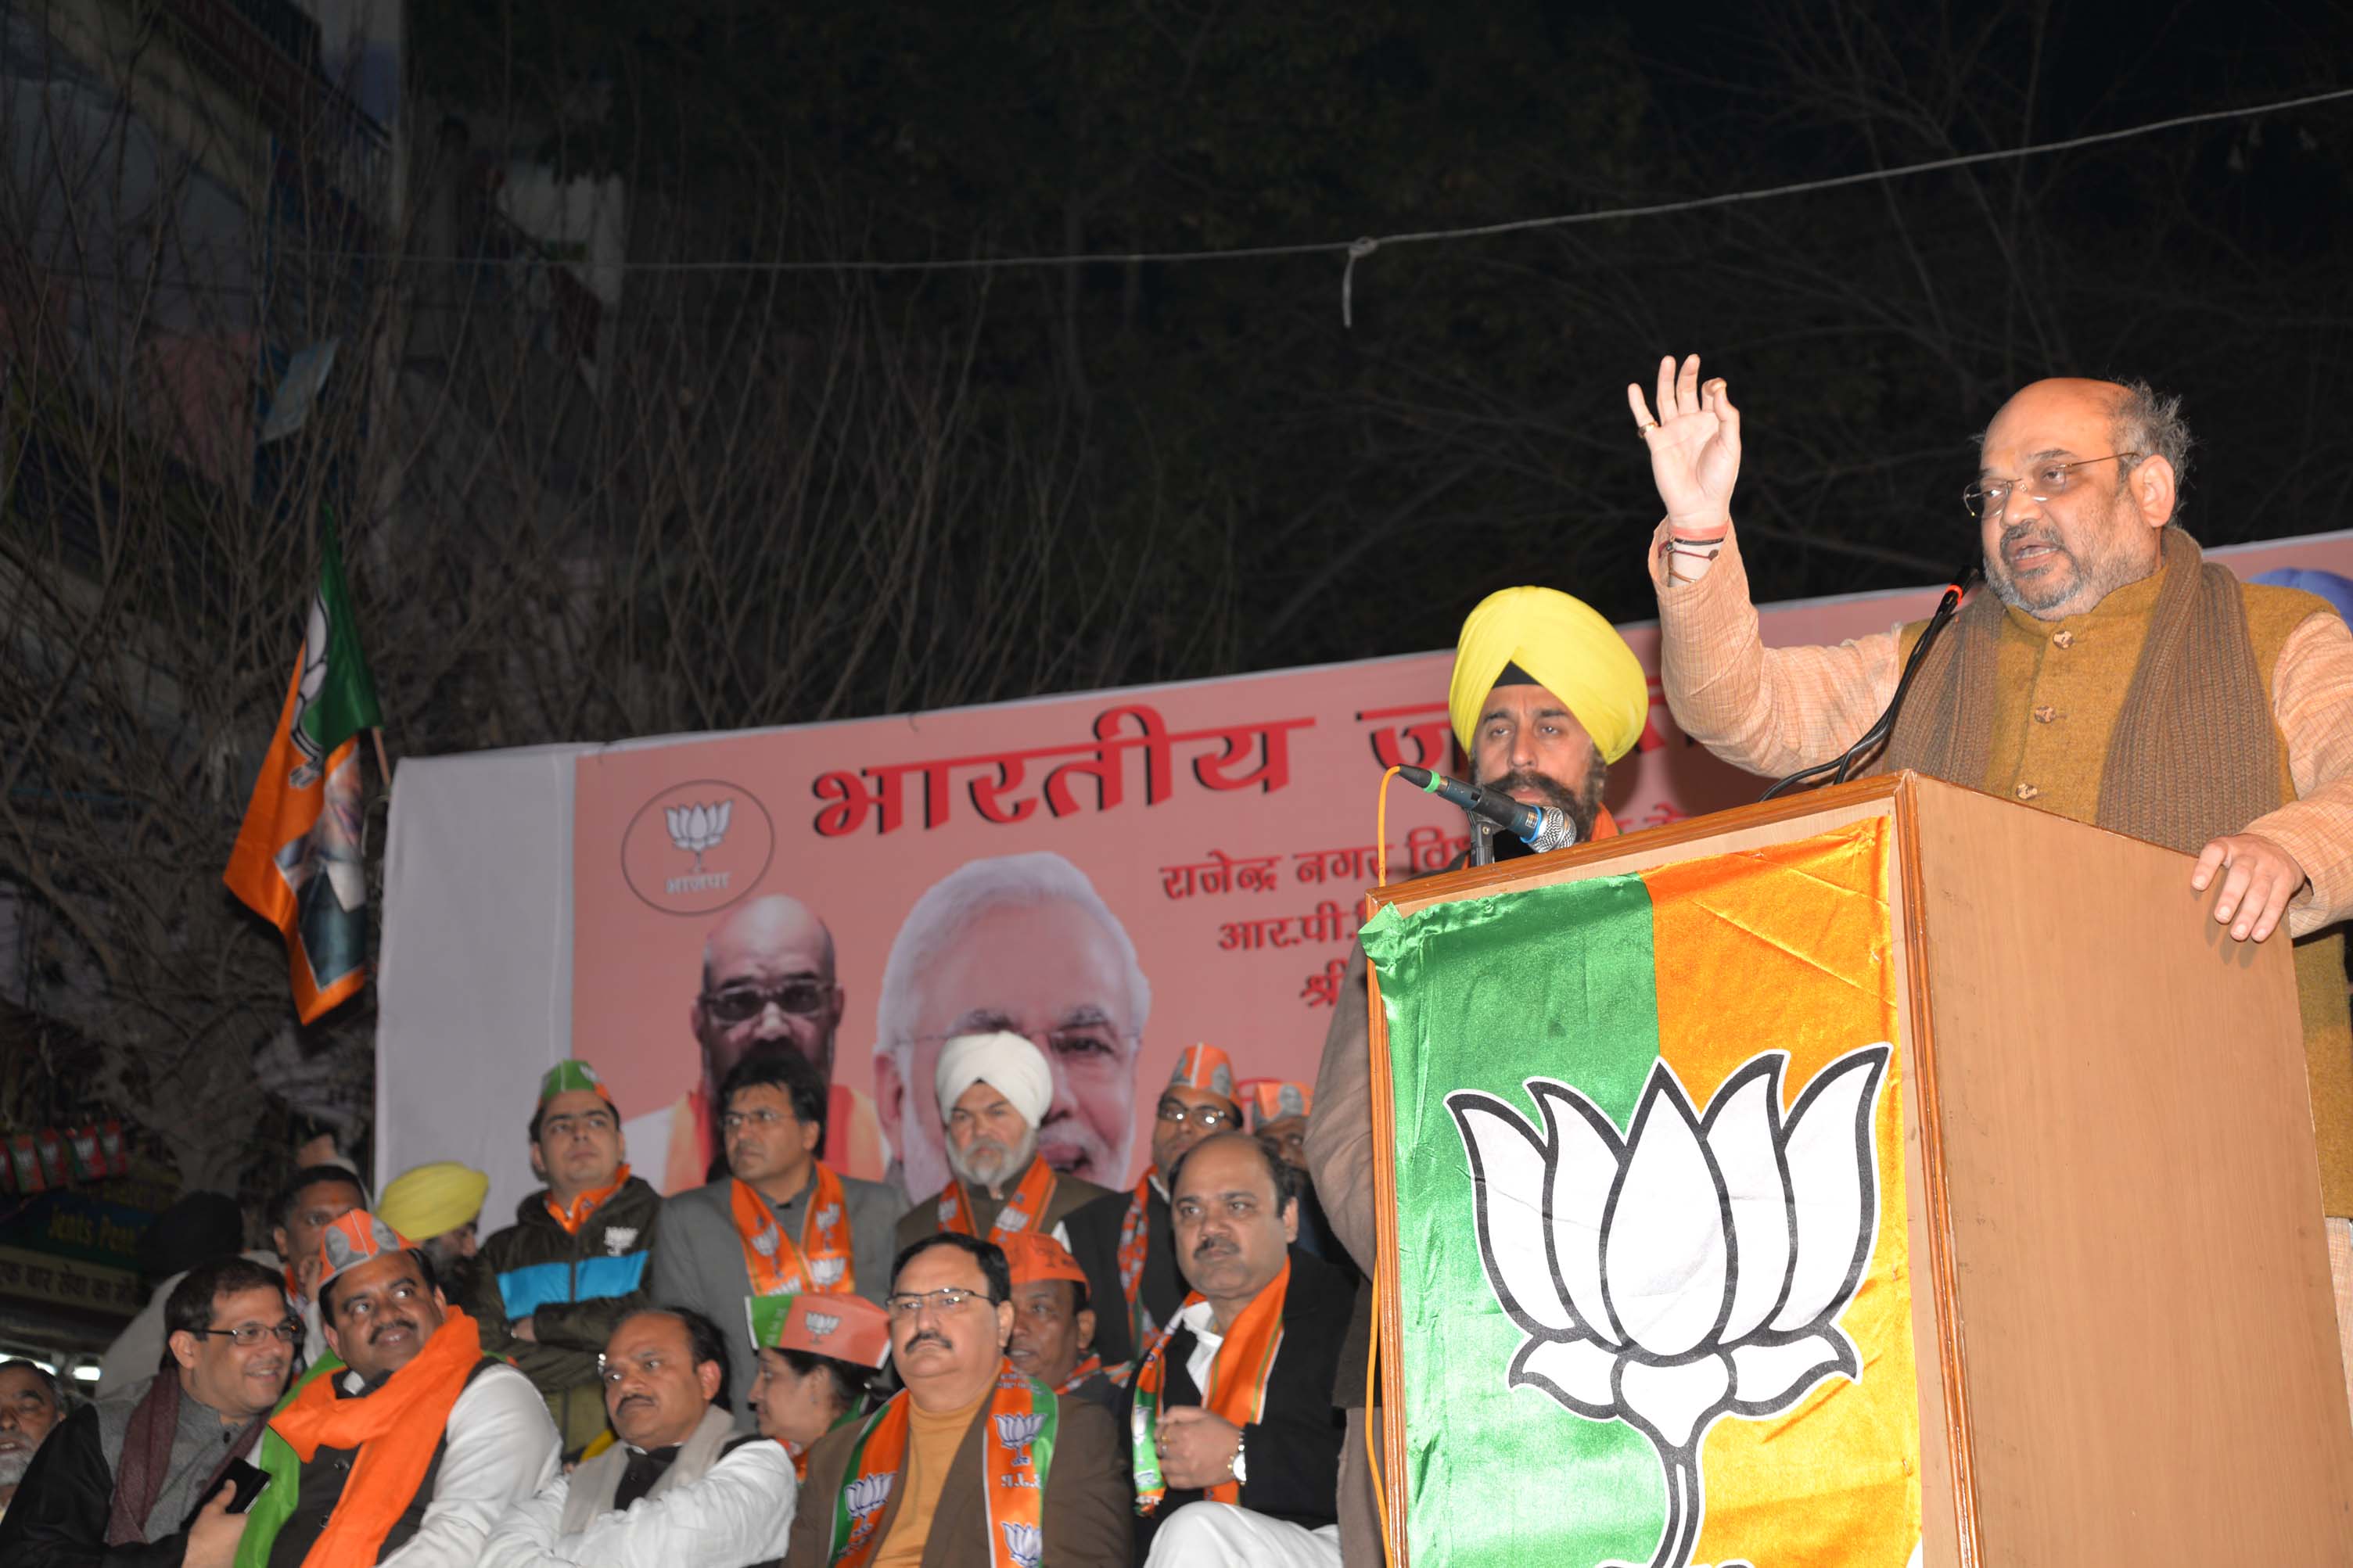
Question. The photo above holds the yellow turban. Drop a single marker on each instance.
(1569, 650)
(422, 1203)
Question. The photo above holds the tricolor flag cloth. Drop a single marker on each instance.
(1651, 1260)
(298, 857)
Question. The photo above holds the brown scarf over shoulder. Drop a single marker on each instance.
(2194, 755)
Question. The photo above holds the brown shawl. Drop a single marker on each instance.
(146, 1461)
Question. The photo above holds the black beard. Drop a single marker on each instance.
(1583, 808)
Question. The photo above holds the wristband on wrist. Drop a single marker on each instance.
(1241, 1466)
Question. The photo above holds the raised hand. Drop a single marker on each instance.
(1694, 448)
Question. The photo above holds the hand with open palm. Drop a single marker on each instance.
(1695, 449)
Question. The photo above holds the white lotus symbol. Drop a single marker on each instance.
(697, 828)
(1689, 1269)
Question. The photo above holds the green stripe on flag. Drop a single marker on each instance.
(343, 702)
(1481, 994)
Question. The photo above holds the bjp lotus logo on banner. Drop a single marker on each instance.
(1691, 1270)
(698, 827)
(1653, 1270)
(697, 846)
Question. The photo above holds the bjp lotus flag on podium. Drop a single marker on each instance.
(298, 857)
(1651, 1260)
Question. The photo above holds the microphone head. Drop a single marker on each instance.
(1559, 832)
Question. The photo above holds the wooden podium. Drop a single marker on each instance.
(2122, 1330)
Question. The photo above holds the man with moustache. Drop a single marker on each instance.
(29, 1409)
(137, 1476)
(1235, 1440)
(1020, 943)
(974, 1464)
(995, 1088)
(2112, 676)
(1198, 1101)
(1545, 697)
(553, 1284)
(782, 1222)
(767, 985)
(682, 1488)
(1054, 1323)
(406, 1444)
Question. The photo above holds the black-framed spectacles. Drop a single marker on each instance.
(2049, 481)
(251, 1334)
(1207, 1117)
(741, 1004)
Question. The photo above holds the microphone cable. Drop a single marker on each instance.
(1837, 769)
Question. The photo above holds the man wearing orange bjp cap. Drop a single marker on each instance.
(1198, 1101)
(405, 1436)
(1054, 1323)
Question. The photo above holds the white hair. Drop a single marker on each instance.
(964, 894)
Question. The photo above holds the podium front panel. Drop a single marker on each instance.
(1653, 1244)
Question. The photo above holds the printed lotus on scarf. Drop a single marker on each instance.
(697, 828)
(1689, 1269)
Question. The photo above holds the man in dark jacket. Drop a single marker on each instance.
(553, 1284)
(137, 1478)
(1236, 1442)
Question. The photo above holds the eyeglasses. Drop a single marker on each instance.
(251, 1334)
(948, 1298)
(1207, 1117)
(2047, 482)
(741, 1004)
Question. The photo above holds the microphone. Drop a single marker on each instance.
(1839, 766)
(1540, 827)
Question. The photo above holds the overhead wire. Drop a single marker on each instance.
(1364, 246)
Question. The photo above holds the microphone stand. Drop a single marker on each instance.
(1839, 767)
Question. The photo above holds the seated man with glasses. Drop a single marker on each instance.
(682, 1488)
(974, 1464)
(993, 1090)
(1198, 1101)
(782, 1222)
(552, 1284)
(2113, 676)
(146, 1466)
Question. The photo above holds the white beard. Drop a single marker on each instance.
(990, 1173)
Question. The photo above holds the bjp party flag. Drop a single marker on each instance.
(1651, 1259)
(298, 857)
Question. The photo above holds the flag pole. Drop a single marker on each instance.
(375, 734)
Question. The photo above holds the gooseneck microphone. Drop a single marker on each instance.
(1540, 827)
(1837, 768)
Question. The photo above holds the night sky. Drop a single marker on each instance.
(1314, 493)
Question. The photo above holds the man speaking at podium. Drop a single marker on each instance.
(2112, 677)
(1546, 696)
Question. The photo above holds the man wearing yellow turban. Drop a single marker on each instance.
(1546, 696)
